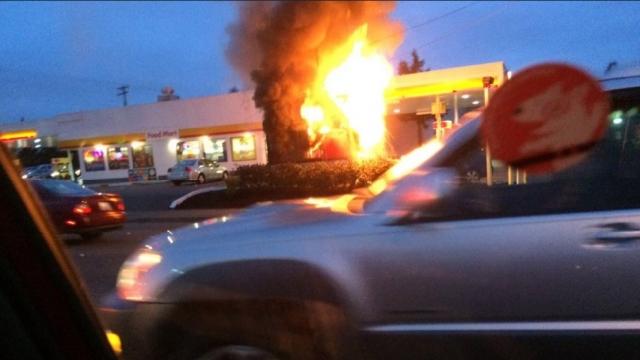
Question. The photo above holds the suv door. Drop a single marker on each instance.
(546, 268)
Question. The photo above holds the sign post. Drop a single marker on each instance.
(437, 109)
(486, 83)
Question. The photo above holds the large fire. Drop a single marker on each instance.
(345, 107)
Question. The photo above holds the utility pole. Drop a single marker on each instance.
(124, 90)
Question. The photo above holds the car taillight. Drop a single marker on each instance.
(82, 209)
(120, 206)
(131, 282)
(187, 169)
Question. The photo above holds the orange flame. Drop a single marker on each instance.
(348, 96)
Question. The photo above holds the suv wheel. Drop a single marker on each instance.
(266, 330)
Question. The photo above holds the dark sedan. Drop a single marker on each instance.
(75, 209)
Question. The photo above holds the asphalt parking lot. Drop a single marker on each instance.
(153, 196)
(98, 261)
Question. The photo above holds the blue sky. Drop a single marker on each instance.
(58, 57)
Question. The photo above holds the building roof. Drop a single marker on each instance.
(462, 78)
(621, 76)
(212, 114)
(220, 110)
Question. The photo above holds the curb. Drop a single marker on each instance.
(149, 182)
(128, 183)
(107, 185)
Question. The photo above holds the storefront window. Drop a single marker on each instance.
(188, 150)
(215, 149)
(94, 159)
(118, 157)
(243, 148)
(142, 155)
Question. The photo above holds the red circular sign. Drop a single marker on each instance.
(545, 118)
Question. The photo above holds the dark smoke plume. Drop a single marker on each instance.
(278, 46)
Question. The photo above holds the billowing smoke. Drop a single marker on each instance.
(278, 45)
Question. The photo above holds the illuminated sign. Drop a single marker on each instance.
(18, 135)
(161, 134)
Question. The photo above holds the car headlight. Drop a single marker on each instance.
(131, 278)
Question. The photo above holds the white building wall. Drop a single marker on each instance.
(228, 109)
(104, 174)
(164, 155)
(171, 116)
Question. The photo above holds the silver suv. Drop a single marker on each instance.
(199, 171)
(442, 275)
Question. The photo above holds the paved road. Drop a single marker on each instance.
(99, 260)
(152, 197)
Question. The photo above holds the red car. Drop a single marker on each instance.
(75, 209)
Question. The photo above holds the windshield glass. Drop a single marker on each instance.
(339, 148)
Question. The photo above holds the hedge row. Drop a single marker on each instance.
(306, 179)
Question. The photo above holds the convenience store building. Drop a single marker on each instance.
(141, 142)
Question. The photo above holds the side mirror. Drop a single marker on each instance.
(170, 169)
(414, 194)
(423, 188)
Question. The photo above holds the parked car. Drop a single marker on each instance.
(50, 315)
(27, 170)
(197, 170)
(75, 209)
(437, 263)
(42, 171)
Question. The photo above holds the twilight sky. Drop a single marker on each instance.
(58, 57)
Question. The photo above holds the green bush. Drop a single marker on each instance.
(305, 179)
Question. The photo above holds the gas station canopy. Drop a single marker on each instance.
(440, 82)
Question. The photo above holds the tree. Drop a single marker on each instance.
(417, 65)
(403, 68)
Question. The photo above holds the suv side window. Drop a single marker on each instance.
(603, 181)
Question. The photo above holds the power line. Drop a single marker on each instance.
(426, 22)
(434, 19)
(469, 26)
(67, 77)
